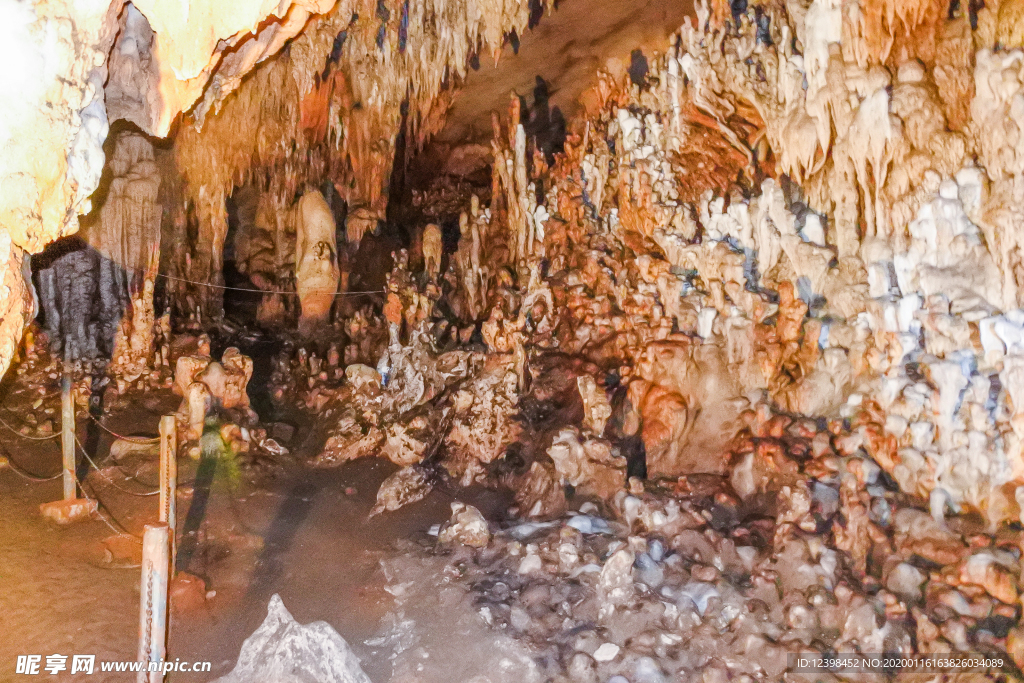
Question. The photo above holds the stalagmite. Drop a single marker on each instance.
(433, 249)
(316, 261)
(596, 408)
(283, 650)
(206, 384)
(134, 345)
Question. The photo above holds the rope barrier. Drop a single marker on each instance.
(257, 291)
(17, 469)
(22, 472)
(121, 528)
(131, 439)
(25, 436)
(25, 474)
(111, 481)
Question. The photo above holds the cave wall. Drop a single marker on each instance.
(799, 208)
(824, 195)
(157, 59)
(53, 128)
(331, 107)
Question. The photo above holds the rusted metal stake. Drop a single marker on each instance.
(169, 477)
(153, 602)
(67, 410)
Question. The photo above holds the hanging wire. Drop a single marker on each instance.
(257, 291)
(120, 530)
(31, 477)
(22, 472)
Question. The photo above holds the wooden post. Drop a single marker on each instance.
(153, 602)
(71, 508)
(169, 477)
(67, 410)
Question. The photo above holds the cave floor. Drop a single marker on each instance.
(683, 577)
(302, 534)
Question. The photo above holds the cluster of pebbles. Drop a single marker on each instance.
(685, 580)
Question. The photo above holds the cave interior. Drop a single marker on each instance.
(517, 340)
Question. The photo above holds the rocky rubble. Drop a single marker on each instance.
(679, 578)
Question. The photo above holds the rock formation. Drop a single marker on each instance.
(283, 650)
(316, 261)
(53, 131)
(204, 384)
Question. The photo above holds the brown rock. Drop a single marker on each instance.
(466, 526)
(1015, 645)
(539, 492)
(982, 570)
(704, 572)
(64, 512)
(187, 593)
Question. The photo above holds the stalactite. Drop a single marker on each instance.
(129, 224)
(132, 88)
(809, 285)
(344, 118)
(207, 265)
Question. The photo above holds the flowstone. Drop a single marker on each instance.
(81, 301)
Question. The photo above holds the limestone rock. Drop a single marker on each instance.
(316, 261)
(283, 651)
(1015, 645)
(64, 512)
(407, 485)
(205, 383)
(342, 448)
(987, 570)
(540, 493)
(361, 376)
(615, 585)
(588, 466)
(596, 409)
(905, 580)
(466, 526)
(485, 408)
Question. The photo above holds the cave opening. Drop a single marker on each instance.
(570, 341)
